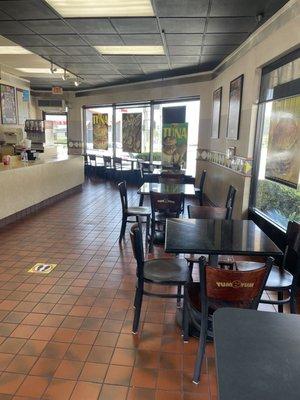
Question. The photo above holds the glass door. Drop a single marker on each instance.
(56, 132)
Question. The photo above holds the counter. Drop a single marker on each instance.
(24, 187)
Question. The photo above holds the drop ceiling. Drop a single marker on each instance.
(196, 35)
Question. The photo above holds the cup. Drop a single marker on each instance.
(6, 160)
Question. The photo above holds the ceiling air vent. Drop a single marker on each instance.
(50, 103)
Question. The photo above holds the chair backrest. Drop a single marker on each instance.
(117, 162)
(168, 204)
(123, 194)
(291, 259)
(207, 212)
(230, 200)
(202, 180)
(170, 177)
(221, 287)
(92, 157)
(136, 238)
(107, 161)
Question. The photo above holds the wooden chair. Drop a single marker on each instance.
(230, 200)
(283, 278)
(92, 163)
(163, 206)
(166, 272)
(203, 212)
(108, 168)
(128, 212)
(200, 190)
(220, 288)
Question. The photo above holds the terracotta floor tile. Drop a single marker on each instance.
(107, 339)
(33, 386)
(21, 364)
(55, 350)
(147, 359)
(86, 391)
(72, 322)
(168, 395)
(111, 392)
(92, 372)
(43, 333)
(118, 375)
(141, 394)
(78, 352)
(69, 369)
(33, 347)
(171, 361)
(59, 389)
(123, 357)
(64, 335)
(12, 345)
(5, 359)
(85, 337)
(53, 320)
(100, 354)
(33, 319)
(144, 377)
(45, 367)
(169, 379)
(10, 382)
(23, 331)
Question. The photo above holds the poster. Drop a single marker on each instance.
(234, 112)
(22, 105)
(100, 131)
(8, 105)
(216, 115)
(174, 143)
(132, 132)
(283, 160)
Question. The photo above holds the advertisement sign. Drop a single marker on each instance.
(132, 132)
(283, 161)
(100, 131)
(174, 143)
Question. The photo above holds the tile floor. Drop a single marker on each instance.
(67, 335)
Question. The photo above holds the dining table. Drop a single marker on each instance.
(257, 354)
(167, 188)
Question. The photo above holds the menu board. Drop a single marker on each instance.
(132, 132)
(8, 104)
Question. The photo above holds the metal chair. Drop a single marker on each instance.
(220, 288)
(163, 206)
(131, 212)
(200, 190)
(108, 168)
(230, 200)
(166, 272)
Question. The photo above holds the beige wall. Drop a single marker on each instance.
(278, 36)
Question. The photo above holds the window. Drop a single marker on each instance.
(89, 144)
(56, 132)
(276, 182)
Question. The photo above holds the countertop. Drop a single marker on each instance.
(27, 164)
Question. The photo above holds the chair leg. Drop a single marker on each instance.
(185, 317)
(141, 202)
(280, 306)
(293, 303)
(138, 306)
(178, 296)
(123, 228)
(191, 266)
(201, 348)
(147, 231)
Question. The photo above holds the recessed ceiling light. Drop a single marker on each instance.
(102, 8)
(137, 50)
(40, 71)
(13, 50)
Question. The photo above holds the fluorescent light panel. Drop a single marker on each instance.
(135, 50)
(102, 8)
(13, 50)
(40, 70)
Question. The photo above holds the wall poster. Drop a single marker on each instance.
(8, 104)
(22, 105)
(283, 160)
(174, 143)
(100, 131)
(132, 132)
(234, 111)
(216, 115)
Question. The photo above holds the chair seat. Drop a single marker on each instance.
(166, 271)
(277, 278)
(194, 258)
(138, 211)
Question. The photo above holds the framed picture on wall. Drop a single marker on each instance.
(8, 105)
(234, 110)
(216, 114)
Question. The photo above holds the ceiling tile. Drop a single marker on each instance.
(91, 59)
(224, 38)
(218, 49)
(44, 51)
(183, 65)
(179, 8)
(122, 59)
(224, 25)
(182, 25)
(27, 9)
(104, 40)
(184, 50)
(12, 28)
(148, 39)
(184, 59)
(128, 72)
(184, 39)
(28, 40)
(244, 8)
(151, 59)
(79, 50)
(154, 67)
(89, 68)
(65, 40)
(128, 67)
(52, 26)
(91, 25)
(4, 17)
(135, 25)
(62, 59)
(212, 58)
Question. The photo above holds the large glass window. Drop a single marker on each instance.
(276, 185)
(89, 143)
(56, 132)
